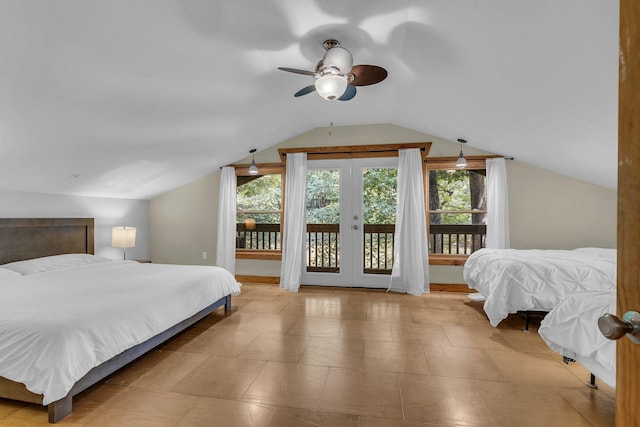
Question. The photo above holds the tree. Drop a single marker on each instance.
(263, 194)
(323, 196)
(380, 192)
(457, 190)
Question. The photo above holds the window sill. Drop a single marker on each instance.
(249, 254)
(447, 259)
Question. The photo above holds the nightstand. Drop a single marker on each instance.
(143, 261)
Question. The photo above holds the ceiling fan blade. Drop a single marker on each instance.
(295, 70)
(305, 90)
(348, 94)
(364, 75)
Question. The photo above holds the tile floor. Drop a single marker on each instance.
(342, 357)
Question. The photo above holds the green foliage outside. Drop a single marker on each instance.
(455, 191)
(379, 196)
(380, 188)
(323, 196)
(261, 198)
(263, 194)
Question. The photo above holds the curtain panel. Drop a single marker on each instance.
(226, 241)
(293, 238)
(497, 205)
(410, 271)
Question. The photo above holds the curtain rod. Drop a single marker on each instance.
(351, 152)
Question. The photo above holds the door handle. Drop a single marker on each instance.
(614, 328)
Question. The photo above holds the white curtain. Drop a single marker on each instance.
(226, 242)
(410, 272)
(293, 238)
(497, 205)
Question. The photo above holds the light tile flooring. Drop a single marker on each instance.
(342, 357)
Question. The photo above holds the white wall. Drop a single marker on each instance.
(107, 213)
(548, 210)
(183, 223)
(553, 211)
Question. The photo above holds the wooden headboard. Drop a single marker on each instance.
(27, 238)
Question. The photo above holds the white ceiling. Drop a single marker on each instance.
(139, 97)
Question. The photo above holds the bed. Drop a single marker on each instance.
(513, 280)
(87, 316)
(571, 329)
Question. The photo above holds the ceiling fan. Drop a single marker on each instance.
(335, 75)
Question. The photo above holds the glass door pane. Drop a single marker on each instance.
(374, 193)
(327, 209)
(323, 220)
(379, 189)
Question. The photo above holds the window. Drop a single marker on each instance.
(457, 209)
(259, 202)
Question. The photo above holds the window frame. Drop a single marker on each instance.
(448, 163)
(263, 169)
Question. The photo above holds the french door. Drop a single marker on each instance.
(350, 213)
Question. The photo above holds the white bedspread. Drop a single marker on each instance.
(514, 280)
(571, 329)
(58, 325)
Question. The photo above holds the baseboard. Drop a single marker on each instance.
(451, 287)
(267, 280)
(434, 287)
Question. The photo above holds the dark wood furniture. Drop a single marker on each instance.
(28, 238)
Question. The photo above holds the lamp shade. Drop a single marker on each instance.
(331, 86)
(123, 237)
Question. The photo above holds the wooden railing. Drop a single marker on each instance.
(323, 243)
(453, 239)
(378, 248)
(264, 237)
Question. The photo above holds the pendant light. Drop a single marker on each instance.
(462, 162)
(253, 169)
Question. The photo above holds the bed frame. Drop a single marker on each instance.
(528, 315)
(27, 238)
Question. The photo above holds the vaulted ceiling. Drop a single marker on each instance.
(138, 97)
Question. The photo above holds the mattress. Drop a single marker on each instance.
(513, 280)
(571, 329)
(56, 326)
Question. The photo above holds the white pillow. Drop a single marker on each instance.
(6, 275)
(49, 263)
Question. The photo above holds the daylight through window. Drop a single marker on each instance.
(457, 211)
(259, 212)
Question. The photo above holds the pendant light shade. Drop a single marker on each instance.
(461, 162)
(253, 169)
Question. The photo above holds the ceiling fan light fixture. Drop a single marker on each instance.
(461, 162)
(331, 86)
(335, 75)
(340, 58)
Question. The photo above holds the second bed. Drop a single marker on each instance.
(513, 280)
